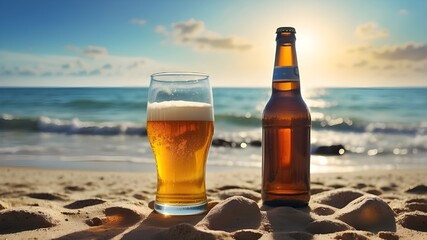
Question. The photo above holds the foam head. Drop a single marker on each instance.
(179, 111)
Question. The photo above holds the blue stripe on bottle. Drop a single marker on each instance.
(286, 73)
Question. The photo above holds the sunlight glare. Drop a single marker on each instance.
(307, 43)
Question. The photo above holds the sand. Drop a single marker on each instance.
(65, 204)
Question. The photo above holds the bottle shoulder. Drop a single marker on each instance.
(286, 108)
(286, 103)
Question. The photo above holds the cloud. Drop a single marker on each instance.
(389, 67)
(107, 66)
(370, 30)
(90, 51)
(13, 64)
(403, 12)
(363, 49)
(193, 33)
(136, 64)
(190, 28)
(23, 71)
(162, 30)
(221, 43)
(409, 51)
(73, 48)
(422, 69)
(360, 64)
(95, 72)
(408, 59)
(95, 52)
(138, 21)
(66, 66)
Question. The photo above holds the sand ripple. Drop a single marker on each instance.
(368, 213)
(48, 196)
(418, 189)
(186, 231)
(327, 226)
(414, 220)
(3, 205)
(233, 214)
(239, 192)
(17, 220)
(338, 198)
(84, 203)
(55, 205)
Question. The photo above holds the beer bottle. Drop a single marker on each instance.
(286, 126)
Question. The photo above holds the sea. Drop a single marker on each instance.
(104, 128)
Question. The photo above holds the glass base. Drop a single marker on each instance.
(181, 209)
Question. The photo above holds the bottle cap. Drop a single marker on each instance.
(286, 29)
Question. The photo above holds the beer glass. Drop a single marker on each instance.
(180, 128)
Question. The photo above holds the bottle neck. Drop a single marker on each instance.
(286, 75)
(287, 86)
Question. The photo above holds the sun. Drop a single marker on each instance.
(307, 43)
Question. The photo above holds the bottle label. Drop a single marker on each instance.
(286, 73)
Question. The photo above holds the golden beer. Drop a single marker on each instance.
(180, 134)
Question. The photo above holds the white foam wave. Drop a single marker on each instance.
(75, 126)
(103, 158)
(25, 149)
(372, 143)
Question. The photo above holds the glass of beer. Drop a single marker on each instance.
(180, 128)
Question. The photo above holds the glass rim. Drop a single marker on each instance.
(182, 76)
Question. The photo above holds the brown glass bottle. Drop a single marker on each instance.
(286, 127)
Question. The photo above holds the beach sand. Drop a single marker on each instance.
(65, 204)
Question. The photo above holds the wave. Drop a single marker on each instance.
(373, 139)
(74, 126)
(25, 149)
(239, 120)
(361, 126)
(8, 122)
(322, 122)
(97, 104)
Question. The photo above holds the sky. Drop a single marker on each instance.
(354, 43)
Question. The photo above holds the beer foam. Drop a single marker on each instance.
(179, 110)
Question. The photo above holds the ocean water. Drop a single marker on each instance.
(104, 128)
